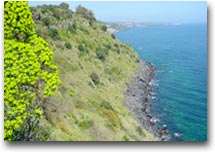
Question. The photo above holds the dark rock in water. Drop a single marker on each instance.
(139, 100)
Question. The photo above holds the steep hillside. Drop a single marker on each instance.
(94, 69)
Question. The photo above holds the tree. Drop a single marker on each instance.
(64, 6)
(88, 14)
(29, 74)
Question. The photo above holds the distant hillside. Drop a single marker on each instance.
(94, 68)
(114, 27)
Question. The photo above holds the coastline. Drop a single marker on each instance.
(139, 100)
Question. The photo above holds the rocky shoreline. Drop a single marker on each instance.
(139, 100)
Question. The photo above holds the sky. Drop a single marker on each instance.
(142, 11)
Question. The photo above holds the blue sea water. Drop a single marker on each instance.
(179, 54)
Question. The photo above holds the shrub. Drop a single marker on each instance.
(101, 55)
(104, 28)
(46, 21)
(29, 74)
(54, 34)
(72, 28)
(71, 93)
(44, 132)
(140, 130)
(116, 45)
(85, 30)
(113, 36)
(95, 78)
(86, 124)
(106, 105)
(68, 45)
(125, 138)
(92, 24)
(108, 46)
(82, 48)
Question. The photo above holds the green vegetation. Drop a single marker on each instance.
(93, 68)
(72, 28)
(113, 36)
(104, 28)
(140, 130)
(64, 6)
(68, 45)
(29, 74)
(54, 34)
(125, 138)
(85, 13)
(86, 124)
(46, 21)
(95, 78)
(82, 48)
(101, 55)
(106, 105)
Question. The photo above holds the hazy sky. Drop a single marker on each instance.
(158, 11)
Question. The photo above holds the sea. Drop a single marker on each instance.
(179, 54)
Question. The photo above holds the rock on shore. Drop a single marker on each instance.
(138, 100)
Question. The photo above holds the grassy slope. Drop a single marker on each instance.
(80, 109)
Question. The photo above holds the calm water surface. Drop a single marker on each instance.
(179, 54)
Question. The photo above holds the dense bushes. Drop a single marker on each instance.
(29, 74)
(17, 25)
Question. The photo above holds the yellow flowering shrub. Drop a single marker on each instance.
(29, 74)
